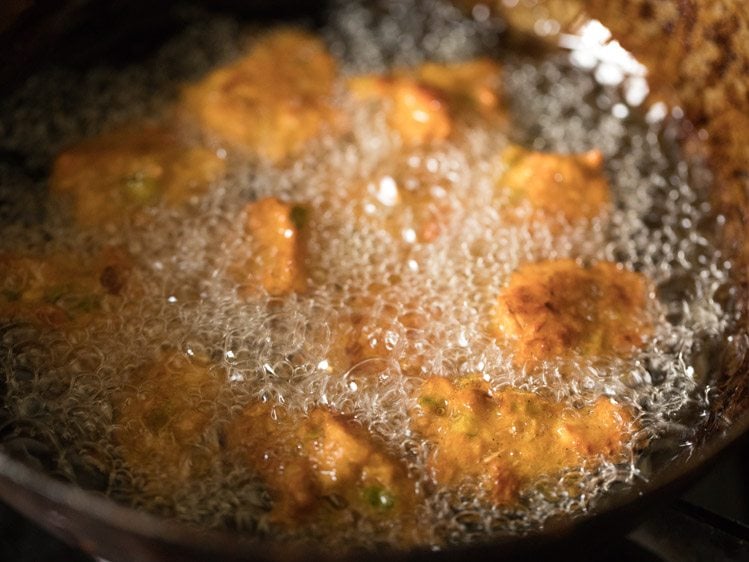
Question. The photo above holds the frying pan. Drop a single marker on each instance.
(78, 33)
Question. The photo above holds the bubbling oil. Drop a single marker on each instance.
(58, 411)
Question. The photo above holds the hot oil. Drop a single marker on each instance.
(61, 388)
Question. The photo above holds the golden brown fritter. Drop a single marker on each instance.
(407, 200)
(504, 442)
(315, 462)
(417, 113)
(472, 88)
(61, 288)
(424, 103)
(271, 256)
(559, 308)
(112, 176)
(571, 186)
(163, 421)
(272, 101)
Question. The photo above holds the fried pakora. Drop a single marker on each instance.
(569, 186)
(272, 101)
(417, 113)
(271, 256)
(472, 88)
(316, 463)
(112, 176)
(505, 441)
(424, 103)
(559, 308)
(60, 289)
(163, 421)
